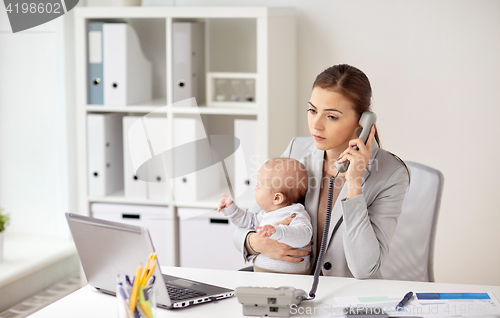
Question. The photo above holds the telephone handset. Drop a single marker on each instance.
(366, 121)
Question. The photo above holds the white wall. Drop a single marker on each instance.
(435, 72)
(34, 144)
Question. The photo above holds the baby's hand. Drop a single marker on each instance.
(225, 202)
(266, 230)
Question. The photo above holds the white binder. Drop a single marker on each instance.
(105, 154)
(246, 163)
(200, 183)
(135, 153)
(157, 133)
(188, 56)
(127, 72)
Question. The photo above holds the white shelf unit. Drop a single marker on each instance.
(261, 40)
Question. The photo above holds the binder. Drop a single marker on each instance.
(127, 72)
(136, 152)
(157, 132)
(246, 164)
(188, 42)
(105, 154)
(200, 183)
(95, 79)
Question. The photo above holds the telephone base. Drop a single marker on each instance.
(268, 301)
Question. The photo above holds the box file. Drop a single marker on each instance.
(188, 42)
(206, 240)
(157, 133)
(127, 72)
(105, 154)
(157, 219)
(246, 164)
(135, 153)
(201, 182)
(95, 91)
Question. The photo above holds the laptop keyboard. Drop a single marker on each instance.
(179, 293)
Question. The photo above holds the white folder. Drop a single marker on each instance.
(246, 163)
(200, 183)
(105, 154)
(157, 133)
(188, 56)
(136, 152)
(127, 72)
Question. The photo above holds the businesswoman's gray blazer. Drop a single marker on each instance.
(361, 243)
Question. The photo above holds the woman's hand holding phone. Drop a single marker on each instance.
(358, 161)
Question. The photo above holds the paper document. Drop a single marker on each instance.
(420, 305)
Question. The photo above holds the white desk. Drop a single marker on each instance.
(87, 302)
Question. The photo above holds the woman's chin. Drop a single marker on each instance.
(320, 145)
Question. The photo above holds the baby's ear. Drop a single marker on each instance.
(279, 198)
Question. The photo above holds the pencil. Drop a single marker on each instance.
(135, 289)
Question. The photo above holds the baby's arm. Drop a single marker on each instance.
(266, 230)
(240, 217)
(297, 234)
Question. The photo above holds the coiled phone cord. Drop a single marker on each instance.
(312, 293)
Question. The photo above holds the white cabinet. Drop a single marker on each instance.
(206, 240)
(247, 40)
(157, 219)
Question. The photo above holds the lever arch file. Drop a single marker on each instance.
(135, 150)
(127, 72)
(200, 183)
(95, 80)
(105, 150)
(245, 164)
(157, 132)
(188, 61)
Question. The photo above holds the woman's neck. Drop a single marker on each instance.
(331, 158)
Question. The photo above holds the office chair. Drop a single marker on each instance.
(411, 252)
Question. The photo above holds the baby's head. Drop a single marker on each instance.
(281, 182)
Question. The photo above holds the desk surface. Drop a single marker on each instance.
(87, 302)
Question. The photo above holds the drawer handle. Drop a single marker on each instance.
(219, 221)
(131, 216)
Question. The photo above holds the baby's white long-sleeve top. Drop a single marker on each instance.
(297, 234)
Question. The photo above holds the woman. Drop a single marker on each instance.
(367, 198)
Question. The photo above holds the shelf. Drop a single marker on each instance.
(156, 105)
(119, 198)
(183, 12)
(251, 110)
(211, 202)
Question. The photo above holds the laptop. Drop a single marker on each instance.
(107, 249)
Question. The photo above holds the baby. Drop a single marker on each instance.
(281, 187)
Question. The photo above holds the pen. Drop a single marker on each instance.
(405, 299)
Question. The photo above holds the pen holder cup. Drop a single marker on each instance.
(145, 305)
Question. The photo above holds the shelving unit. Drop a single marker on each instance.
(260, 40)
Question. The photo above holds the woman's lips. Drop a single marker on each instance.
(319, 138)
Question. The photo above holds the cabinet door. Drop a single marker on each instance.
(155, 218)
(206, 240)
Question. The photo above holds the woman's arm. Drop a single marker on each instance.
(368, 230)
